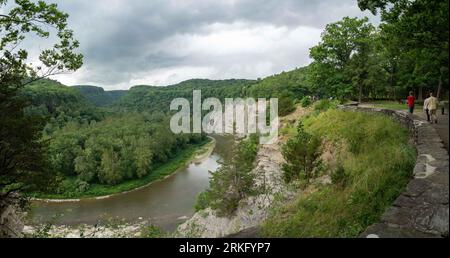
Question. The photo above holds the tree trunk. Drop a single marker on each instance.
(391, 82)
(438, 94)
(360, 93)
(420, 98)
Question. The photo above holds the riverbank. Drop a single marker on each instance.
(122, 230)
(192, 154)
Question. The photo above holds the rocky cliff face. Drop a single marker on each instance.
(11, 225)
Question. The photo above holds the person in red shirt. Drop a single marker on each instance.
(410, 102)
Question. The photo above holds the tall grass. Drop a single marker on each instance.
(377, 162)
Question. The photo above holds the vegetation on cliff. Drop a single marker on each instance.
(233, 181)
(371, 163)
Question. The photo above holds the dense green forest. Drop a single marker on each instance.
(407, 51)
(90, 145)
(59, 104)
(289, 87)
(151, 98)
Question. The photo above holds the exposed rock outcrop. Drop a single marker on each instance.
(86, 231)
(11, 225)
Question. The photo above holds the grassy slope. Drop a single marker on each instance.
(377, 162)
(96, 190)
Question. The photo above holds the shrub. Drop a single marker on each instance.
(203, 201)
(324, 105)
(67, 185)
(82, 186)
(286, 104)
(233, 181)
(301, 154)
(152, 232)
(305, 102)
(339, 177)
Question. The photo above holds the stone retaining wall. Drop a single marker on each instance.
(422, 210)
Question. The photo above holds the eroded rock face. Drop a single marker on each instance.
(11, 225)
(251, 212)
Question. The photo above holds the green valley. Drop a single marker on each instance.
(90, 94)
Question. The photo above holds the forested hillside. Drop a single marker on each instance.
(293, 82)
(59, 103)
(112, 151)
(289, 87)
(91, 146)
(98, 96)
(151, 98)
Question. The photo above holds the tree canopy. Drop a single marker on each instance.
(341, 66)
(21, 150)
(415, 37)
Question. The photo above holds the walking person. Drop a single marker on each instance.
(432, 106)
(425, 107)
(410, 102)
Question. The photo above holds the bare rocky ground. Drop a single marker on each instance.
(85, 231)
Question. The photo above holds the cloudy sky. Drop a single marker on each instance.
(162, 42)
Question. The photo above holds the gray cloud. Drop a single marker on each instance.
(161, 41)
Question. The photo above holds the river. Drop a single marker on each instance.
(164, 203)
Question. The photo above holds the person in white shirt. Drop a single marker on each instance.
(425, 107)
(432, 106)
